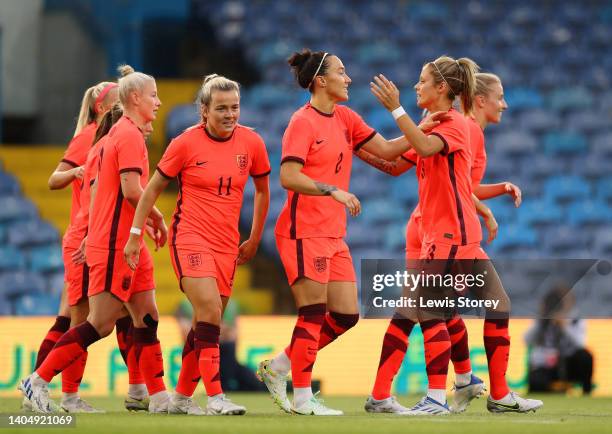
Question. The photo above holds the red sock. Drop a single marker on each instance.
(335, 325)
(437, 352)
(497, 346)
(207, 347)
(71, 346)
(125, 340)
(61, 326)
(394, 347)
(73, 374)
(189, 377)
(305, 343)
(149, 357)
(460, 351)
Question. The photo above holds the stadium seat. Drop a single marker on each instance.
(8, 185)
(180, 118)
(16, 208)
(514, 236)
(11, 258)
(563, 143)
(32, 232)
(515, 143)
(602, 244)
(539, 212)
(563, 240)
(589, 212)
(523, 98)
(46, 258)
(21, 282)
(570, 99)
(567, 188)
(55, 283)
(538, 120)
(41, 304)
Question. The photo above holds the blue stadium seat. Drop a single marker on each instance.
(32, 232)
(592, 166)
(21, 282)
(523, 98)
(395, 237)
(567, 188)
(46, 258)
(180, 118)
(588, 121)
(564, 143)
(8, 185)
(601, 144)
(539, 120)
(515, 143)
(562, 240)
(604, 189)
(542, 166)
(589, 212)
(11, 258)
(16, 208)
(539, 212)
(602, 244)
(514, 236)
(6, 306)
(55, 282)
(40, 304)
(570, 99)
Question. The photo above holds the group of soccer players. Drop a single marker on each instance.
(109, 270)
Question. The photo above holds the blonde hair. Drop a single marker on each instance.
(87, 113)
(460, 77)
(485, 82)
(130, 81)
(214, 82)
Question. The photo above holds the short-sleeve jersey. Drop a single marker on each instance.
(75, 155)
(112, 215)
(324, 144)
(479, 154)
(445, 187)
(211, 175)
(90, 171)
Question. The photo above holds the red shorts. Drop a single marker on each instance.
(414, 239)
(108, 271)
(320, 259)
(452, 251)
(194, 261)
(76, 277)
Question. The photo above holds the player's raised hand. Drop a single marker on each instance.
(515, 192)
(349, 200)
(386, 92)
(131, 251)
(432, 120)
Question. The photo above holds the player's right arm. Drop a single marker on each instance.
(145, 207)
(63, 175)
(292, 178)
(394, 168)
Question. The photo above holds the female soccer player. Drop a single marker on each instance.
(73, 306)
(122, 173)
(488, 106)
(451, 229)
(212, 162)
(316, 162)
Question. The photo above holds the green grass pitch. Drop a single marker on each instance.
(559, 415)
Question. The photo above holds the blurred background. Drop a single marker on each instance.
(555, 140)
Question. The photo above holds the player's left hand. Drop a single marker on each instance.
(246, 251)
(160, 231)
(386, 92)
(131, 251)
(78, 257)
(492, 227)
(432, 120)
(515, 192)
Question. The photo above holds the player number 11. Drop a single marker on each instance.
(227, 188)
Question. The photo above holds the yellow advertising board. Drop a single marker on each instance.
(347, 367)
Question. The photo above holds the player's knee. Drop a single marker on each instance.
(345, 320)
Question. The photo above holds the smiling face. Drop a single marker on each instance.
(147, 101)
(222, 113)
(427, 91)
(336, 81)
(493, 103)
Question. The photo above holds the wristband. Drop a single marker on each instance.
(135, 231)
(398, 112)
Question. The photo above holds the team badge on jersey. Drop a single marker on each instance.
(320, 264)
(195, 260)
(242, 160)
(126, 282)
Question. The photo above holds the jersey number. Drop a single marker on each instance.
(227, 187)
(339, 163)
